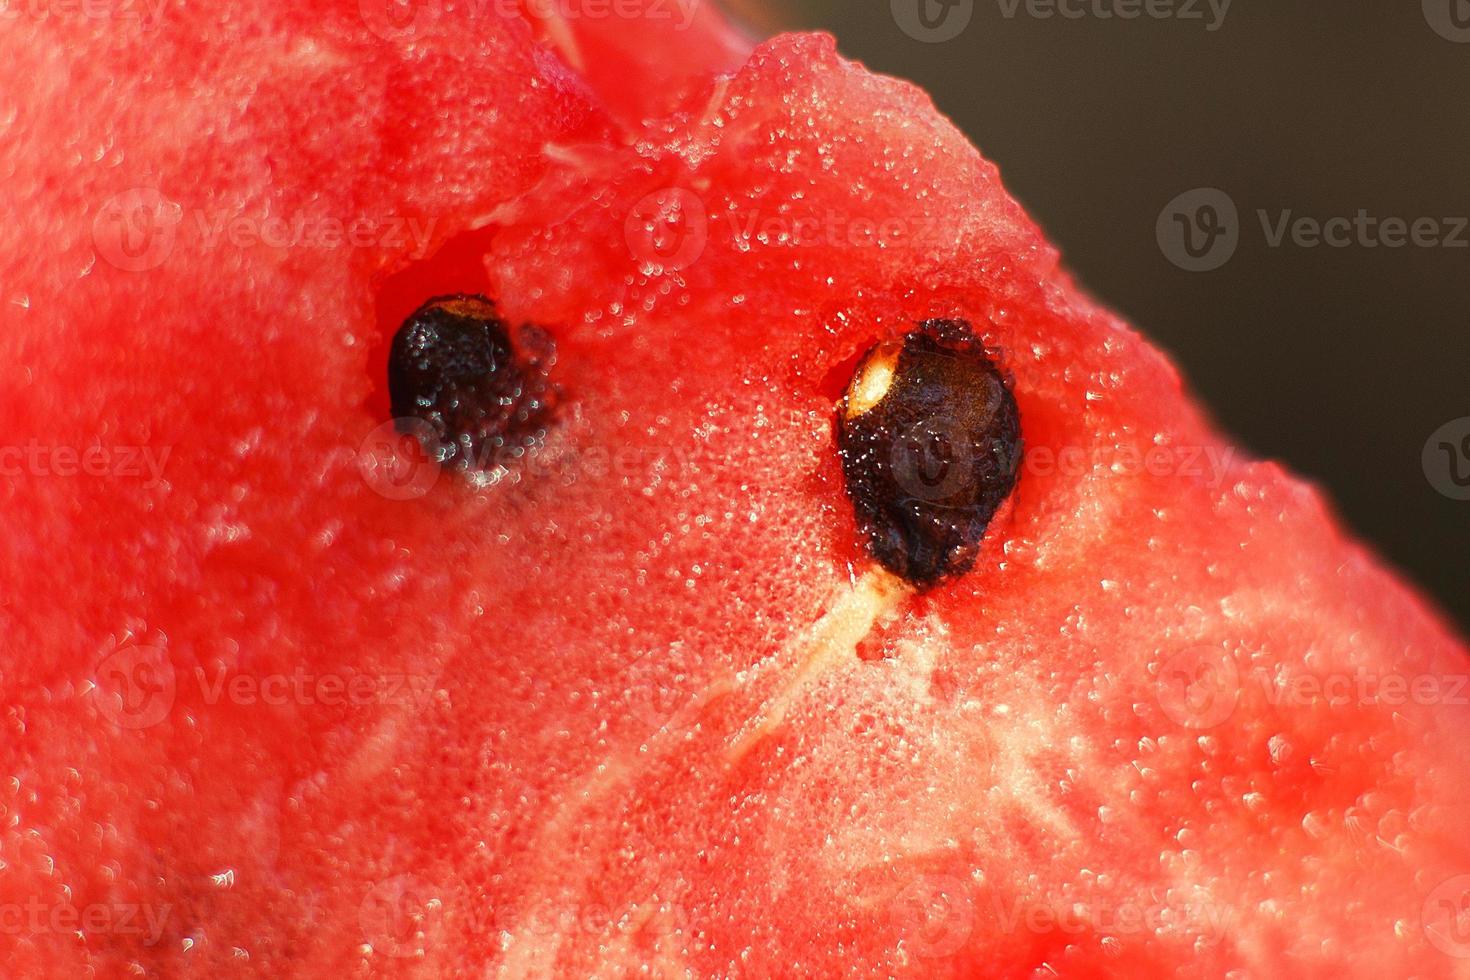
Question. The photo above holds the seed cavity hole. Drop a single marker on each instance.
(475, 390)
(929, 437)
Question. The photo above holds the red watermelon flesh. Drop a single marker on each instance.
(277, 704)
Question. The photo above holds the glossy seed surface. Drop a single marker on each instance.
(474, 390)
(930, 441)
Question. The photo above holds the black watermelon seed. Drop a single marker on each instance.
(480, 386)
(930, 441)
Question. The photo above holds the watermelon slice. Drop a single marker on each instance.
(285, 697)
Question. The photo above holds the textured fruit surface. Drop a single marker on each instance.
(281, 701)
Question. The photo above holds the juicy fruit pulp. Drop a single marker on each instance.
(640, 705)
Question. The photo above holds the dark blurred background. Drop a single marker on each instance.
(1340, 361)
